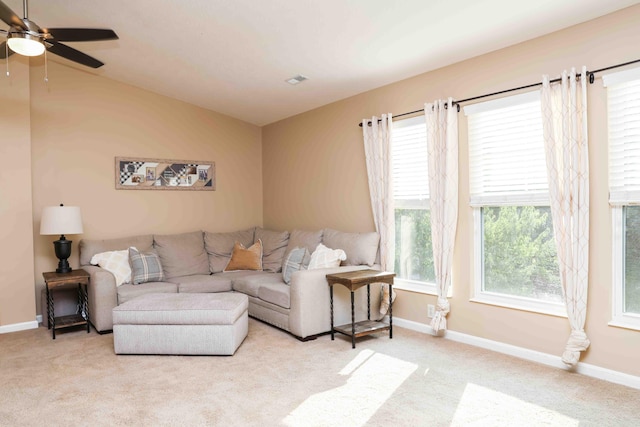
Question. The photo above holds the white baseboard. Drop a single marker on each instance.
(15, 327)
(524, 353)
(39, 318)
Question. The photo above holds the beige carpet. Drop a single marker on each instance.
(274, 379)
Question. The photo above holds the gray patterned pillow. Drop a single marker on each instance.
(145, 267)
(298, 259)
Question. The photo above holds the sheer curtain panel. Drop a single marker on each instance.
(442, 141)
(564, 112)
(377, 149)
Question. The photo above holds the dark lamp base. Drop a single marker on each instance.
(63, 251)
(62, 268)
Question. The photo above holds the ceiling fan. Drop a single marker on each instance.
(25, 37)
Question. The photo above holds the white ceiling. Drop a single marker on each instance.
(233, 56)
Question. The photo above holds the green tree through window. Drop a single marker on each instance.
(519, 252)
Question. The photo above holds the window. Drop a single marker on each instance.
(623, 94)
(413, 249)
(515, 254)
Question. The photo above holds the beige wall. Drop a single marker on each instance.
(80, 122)
(315, 176)
(314, 173)
(16, 251)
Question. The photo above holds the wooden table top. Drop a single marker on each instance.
(52, 278)
(361, 277)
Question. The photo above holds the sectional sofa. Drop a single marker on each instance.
(195, 262)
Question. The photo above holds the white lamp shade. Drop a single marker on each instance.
(61, 220)
(25, 46)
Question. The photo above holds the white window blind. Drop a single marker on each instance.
(410, 173)
(506, 152)
(623, 95)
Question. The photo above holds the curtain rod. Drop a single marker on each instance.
(457, 103)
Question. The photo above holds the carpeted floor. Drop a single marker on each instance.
(274, 379)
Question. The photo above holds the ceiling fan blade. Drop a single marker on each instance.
(10, 18)
(72, 54)
(3, 50)
(80, 34)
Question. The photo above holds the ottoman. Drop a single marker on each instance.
(189, 324)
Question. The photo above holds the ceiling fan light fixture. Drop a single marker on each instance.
(25, 44)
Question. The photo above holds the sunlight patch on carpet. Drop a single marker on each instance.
(374, 380)
(357, 361)
(481, 406)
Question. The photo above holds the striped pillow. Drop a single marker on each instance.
(297, 260)
(145, 267)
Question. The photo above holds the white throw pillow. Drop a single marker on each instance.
(115, 262)
(324, 257)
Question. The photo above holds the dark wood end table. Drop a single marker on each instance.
(54, 280)
(354, 280)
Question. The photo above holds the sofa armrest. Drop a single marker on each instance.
(103, 297)
(310, 312)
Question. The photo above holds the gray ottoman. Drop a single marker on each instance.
(181, 324)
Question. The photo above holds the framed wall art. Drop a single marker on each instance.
(133, 173)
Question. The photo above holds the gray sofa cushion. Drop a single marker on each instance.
(202, 284)
(275, 293)
(304, 239)
(182, 254)
(220, 245)
(274, 244)
(129, 292)
(88, 248)
(361, 248)
(251, 282)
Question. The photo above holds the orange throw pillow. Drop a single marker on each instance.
(245, 259)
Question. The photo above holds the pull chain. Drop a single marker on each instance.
(46, 70)
(6, 49)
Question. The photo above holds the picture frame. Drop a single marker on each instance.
(139, 173)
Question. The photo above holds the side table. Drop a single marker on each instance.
(54, 280)
(354, 280)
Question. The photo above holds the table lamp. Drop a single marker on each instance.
(61, 220)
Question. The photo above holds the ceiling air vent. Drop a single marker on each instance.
(296, 79)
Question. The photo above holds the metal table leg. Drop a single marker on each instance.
(368, 301)
(390, 311)
(85, 306)
(48, 307)
(353, 322)
(51, 312)
(331, 305)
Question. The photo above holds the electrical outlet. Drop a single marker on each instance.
(431, 310)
